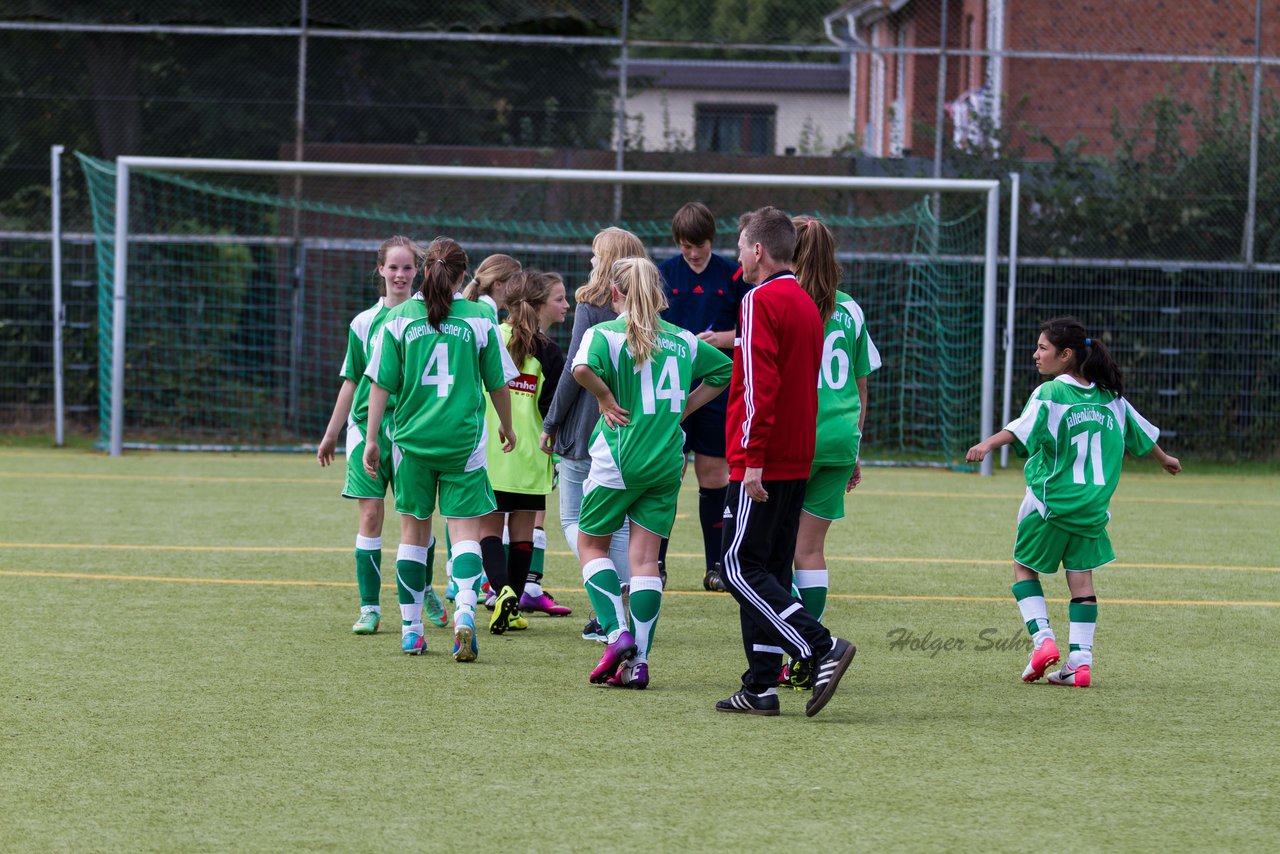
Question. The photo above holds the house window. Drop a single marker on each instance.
(736, 128)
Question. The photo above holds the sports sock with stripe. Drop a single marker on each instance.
(812, 585)
(411, 584)
(1035, 615)
(600, 578)
(645, 603)
(1083, 612)
(369, 569)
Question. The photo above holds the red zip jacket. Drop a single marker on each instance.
(772, 420)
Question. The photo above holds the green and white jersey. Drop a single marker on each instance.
(362, 334)
(848, 354)
(439, 377)
(650, 449)
(1075, 437)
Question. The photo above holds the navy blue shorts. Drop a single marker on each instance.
(704, 429)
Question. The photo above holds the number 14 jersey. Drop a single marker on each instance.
(649, 451)
(1075, 436)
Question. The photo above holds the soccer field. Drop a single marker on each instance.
(179, 674)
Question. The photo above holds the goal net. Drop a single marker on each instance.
(223, 325)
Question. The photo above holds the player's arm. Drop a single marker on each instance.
(378, 397)
(341, 409)
(1169, 463)
(567, 389)
(614, 415)
(761, 379)
(385, 369)
(714, 369)
(979, 451)
(501, 398)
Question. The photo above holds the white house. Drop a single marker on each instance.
(738, 107)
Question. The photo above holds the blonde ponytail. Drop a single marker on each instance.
(637, 279)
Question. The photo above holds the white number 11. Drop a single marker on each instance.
(1088, 445)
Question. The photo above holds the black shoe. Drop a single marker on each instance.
(746, 703)
(593, 631)
(714, 581)
(827, 672)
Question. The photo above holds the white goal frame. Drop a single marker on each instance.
(125, 165)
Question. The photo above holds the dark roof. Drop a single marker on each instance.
(737, 76)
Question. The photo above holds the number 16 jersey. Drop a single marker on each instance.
(648, 451)
(1075, 436)
(439, 376)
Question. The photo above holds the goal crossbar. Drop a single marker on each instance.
(126, 164)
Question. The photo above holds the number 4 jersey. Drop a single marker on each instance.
(650, 449)
(1075, 437)
(848, 354)
(439, 377)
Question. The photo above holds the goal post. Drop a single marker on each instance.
(727, 193)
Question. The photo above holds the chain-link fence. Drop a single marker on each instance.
(1147, 135)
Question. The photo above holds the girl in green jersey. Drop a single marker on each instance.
(396, 272)
(642, 371)
(438, 354)
(848, 358)
(1074, 431)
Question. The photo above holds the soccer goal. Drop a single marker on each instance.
(226, 285)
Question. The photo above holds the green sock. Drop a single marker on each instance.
(646, 602)
(536, 567)
(467, 568)
(813, 585)
(600, 577)
(369, 569)
(411, 582)
(1084, 619)
(431, 560)
(1035, 614)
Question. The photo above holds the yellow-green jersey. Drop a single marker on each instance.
(361, 335)
(1075, 436)
(440, 376)
(648, 451)
(526, 470)
(848, 354)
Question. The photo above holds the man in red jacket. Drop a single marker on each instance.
(770, 433)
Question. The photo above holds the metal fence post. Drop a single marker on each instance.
(1011, 304)
(59, 311)
(622, 111)
(1251, 210)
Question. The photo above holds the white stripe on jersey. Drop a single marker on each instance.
(748, 316)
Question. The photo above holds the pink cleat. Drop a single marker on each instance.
(630, 675)
(1077, 678)
(544, 604)
(617, 653)
(1042, 658)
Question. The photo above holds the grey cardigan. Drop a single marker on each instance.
(574, 410)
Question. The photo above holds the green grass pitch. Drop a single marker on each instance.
(179, 674)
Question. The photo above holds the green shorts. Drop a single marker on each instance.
(359, 484)
(463, 495)
(824, 494)
(1042, 545)
(604, 508)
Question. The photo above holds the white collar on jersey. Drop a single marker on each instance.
(1070, 380)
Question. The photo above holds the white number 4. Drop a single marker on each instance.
(1088, 445)
(436, 372)
(668, 387)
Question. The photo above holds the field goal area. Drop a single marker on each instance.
(225, 286)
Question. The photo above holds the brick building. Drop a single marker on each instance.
(893, 95)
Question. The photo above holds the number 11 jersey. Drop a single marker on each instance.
(1075, 436)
